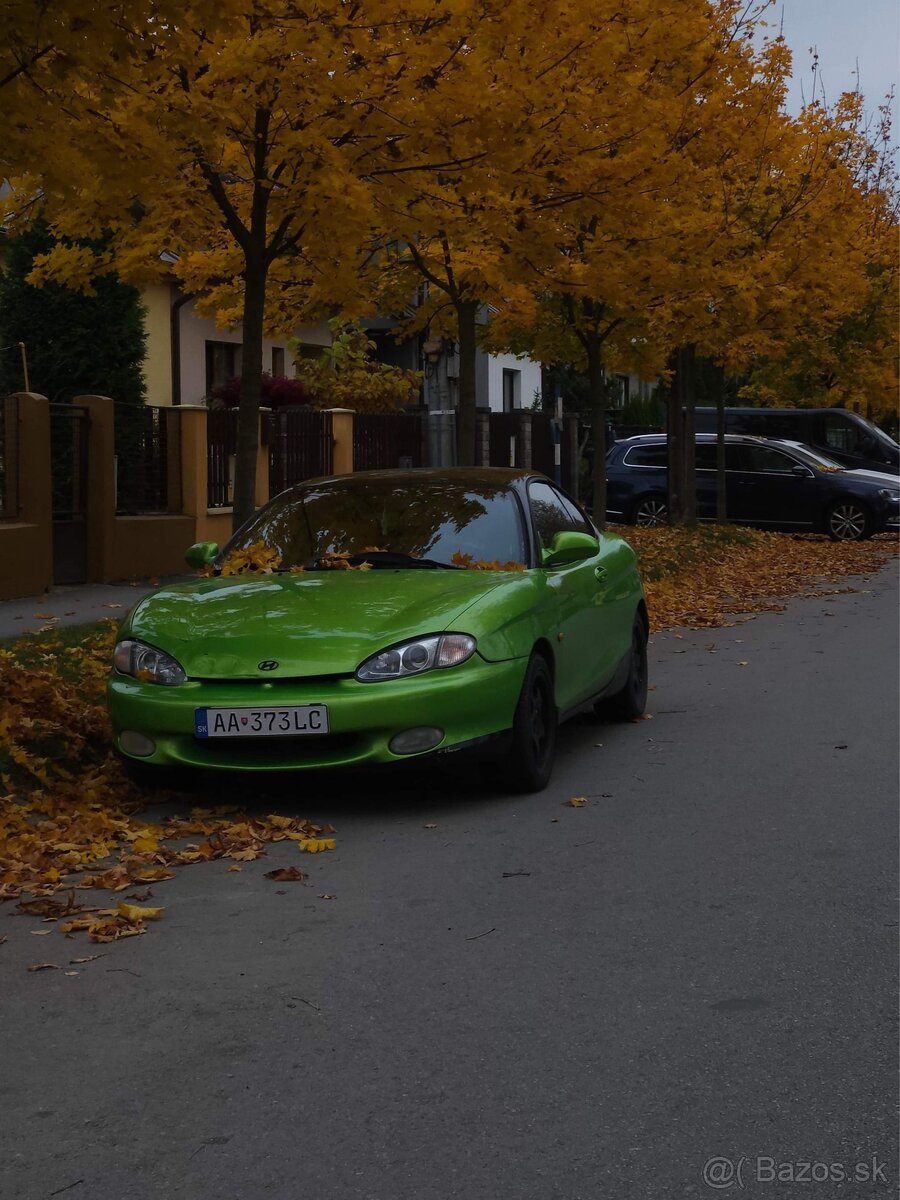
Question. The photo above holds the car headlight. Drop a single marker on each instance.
(414, 658)
(147, 663)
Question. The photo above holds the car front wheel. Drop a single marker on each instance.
(650, 510)
(631, 701)
(848, 521)
(529, 764)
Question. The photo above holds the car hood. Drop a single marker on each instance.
(316, 623)
(879, 477)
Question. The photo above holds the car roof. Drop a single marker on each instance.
(470, 476)
(651, 439)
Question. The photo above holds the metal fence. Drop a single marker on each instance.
(383, 440)
(148, 459)
(301, 446)
(9, 457)
(221, 449)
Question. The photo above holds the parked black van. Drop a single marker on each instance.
(844, 436)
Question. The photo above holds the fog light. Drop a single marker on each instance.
(414, 741)
(136, 743)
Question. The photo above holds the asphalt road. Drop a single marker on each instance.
(528, 1000)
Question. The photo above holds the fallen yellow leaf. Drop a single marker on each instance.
(133, 912)
(315, 845)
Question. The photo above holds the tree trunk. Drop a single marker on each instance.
(597, 387)
(675, 456)
(721, 477)
(466, 312)
(251, 384)
(686, 393)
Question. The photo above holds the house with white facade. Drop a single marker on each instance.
(188, 355)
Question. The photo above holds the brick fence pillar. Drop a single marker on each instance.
(523, 439)
(483, 437)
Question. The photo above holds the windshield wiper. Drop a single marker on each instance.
(393, 558)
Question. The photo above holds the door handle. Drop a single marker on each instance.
(600, 572)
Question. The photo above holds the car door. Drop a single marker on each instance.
(585, 643)
(765, 490)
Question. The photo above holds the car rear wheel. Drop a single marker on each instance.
(529, 763)
(631, 701)
(650, 510)
(848, 521)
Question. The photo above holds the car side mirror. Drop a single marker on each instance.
(569, 547)
(800, 472)
(201, 554)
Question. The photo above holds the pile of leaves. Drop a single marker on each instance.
(700, 577)
(69, 817)
(482, 564)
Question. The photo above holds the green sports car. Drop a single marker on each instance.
(381, 617)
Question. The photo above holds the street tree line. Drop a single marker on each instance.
(620, 185)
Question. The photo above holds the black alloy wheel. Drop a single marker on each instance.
(848, 521)
(650, 511)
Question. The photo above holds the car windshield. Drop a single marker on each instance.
(388, 522)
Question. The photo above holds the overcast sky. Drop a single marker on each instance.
(844, 32)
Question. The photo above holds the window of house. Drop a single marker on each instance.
(278, 361)
(511, 384)
(309, 351)
(624, 382)
(223, 362)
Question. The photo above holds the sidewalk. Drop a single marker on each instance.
(78, 604)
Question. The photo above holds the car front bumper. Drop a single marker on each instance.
(469, 702)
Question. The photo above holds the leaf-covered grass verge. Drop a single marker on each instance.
(704, 576)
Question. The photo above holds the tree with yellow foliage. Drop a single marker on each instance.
(242, 141)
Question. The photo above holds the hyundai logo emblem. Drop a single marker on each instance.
(269, 665)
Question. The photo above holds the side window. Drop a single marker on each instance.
(553, 514)
(706, 456)
(582, 524)
(645, 456)
(764, 460)
(844, 434)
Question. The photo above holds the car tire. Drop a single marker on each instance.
(848, 520)
(651, 511)
(529, 764)
(631, 702)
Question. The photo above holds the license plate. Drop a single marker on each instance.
(291, 721)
